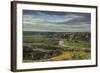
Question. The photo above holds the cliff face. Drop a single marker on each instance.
(78, 36)
(35, 54)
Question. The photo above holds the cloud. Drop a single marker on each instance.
(59, 21)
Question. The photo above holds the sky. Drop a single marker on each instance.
(52, 21)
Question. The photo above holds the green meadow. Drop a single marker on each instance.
(56, 46)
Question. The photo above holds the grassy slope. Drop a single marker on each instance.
(67, 55)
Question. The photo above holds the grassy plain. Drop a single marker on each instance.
(48, 49)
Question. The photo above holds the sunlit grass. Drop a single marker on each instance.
(77, 44)
(70, 55)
